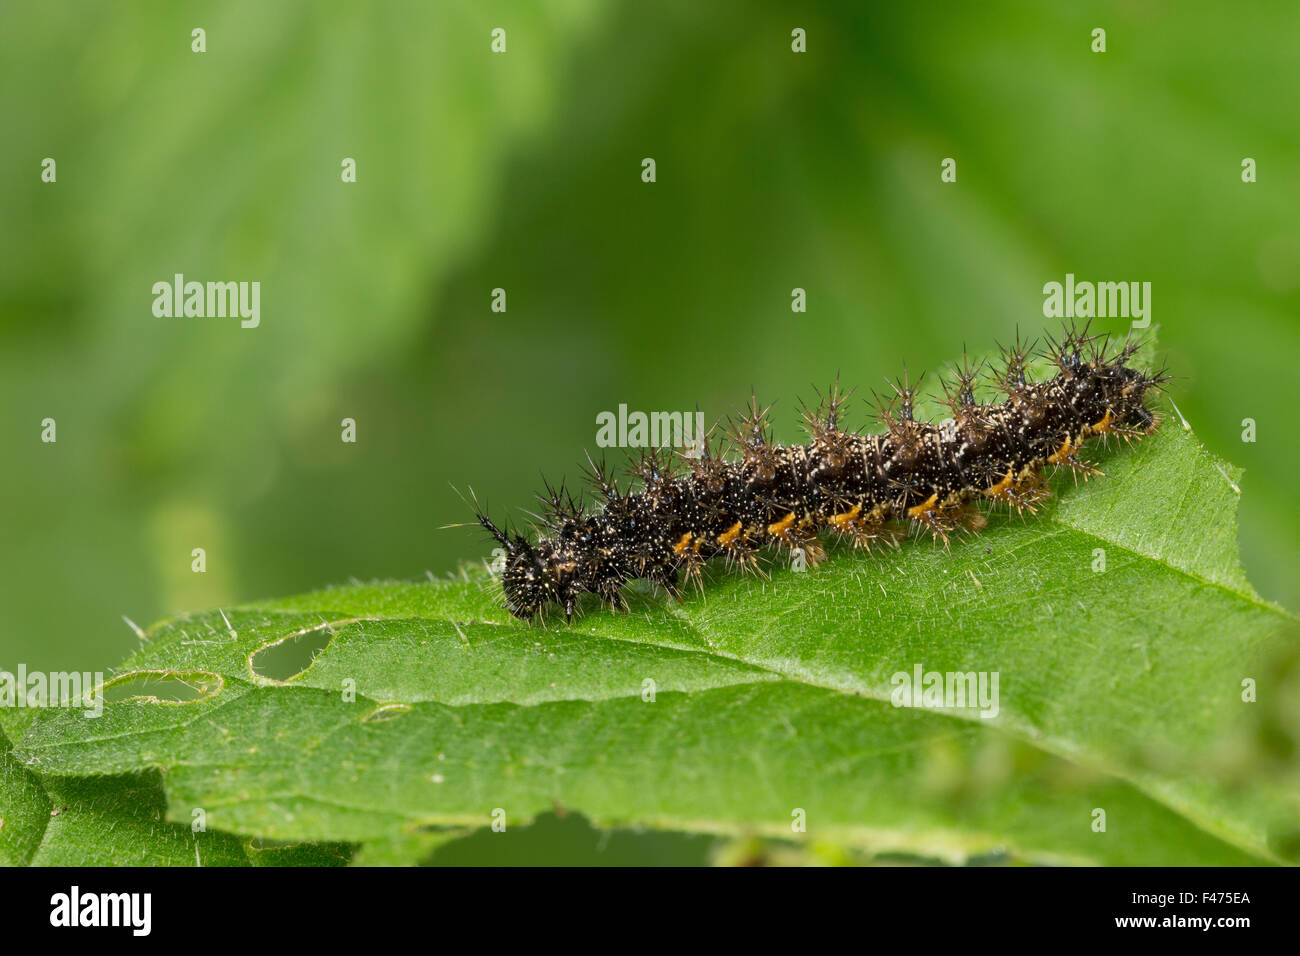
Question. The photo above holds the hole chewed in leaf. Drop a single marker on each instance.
(163, 687)
(290, 656)
(386, 712)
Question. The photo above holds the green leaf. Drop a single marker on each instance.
(772, 698)
(119, 821)
(24, 809)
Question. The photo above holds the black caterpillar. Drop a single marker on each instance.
(858, 486)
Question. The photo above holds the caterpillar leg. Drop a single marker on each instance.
(666, 578)
(734, 545)
(693, 568)
(791, 534)
(611, 592)
(1068, 455)
(1132, 431)
(1078, 467)
(942, 518)
(1023, 492)
(865, 530)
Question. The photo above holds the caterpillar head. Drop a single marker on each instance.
(1132, 410)
(1112, 394)
(535, 575)
(1124, 389)
(1101, 382)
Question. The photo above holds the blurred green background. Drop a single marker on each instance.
(522, 171)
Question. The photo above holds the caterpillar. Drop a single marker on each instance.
(734, 497)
